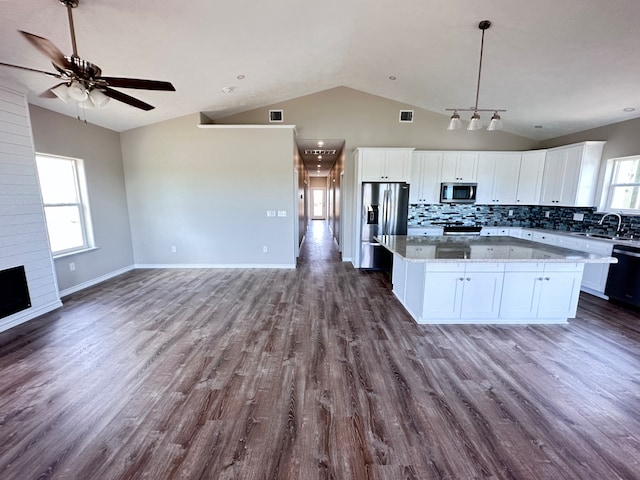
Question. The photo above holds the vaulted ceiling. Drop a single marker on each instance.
(563, 66)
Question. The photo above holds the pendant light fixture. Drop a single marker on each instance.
(474, 124)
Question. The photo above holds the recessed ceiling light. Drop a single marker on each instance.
(320, 143)
(629, 109)
(319, 157)
(228, 89)
(391, 77)
(319, 166)
(240, 77)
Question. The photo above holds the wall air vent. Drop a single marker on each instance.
(406, 116)
(275, 116)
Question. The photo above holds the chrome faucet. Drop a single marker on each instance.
(615, 214)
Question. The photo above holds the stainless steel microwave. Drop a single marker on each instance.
(458, 192)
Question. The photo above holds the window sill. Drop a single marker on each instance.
(75, 252)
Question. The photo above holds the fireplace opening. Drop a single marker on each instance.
(14, 292)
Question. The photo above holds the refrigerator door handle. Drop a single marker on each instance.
(385, 213)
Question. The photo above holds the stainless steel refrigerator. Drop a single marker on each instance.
(385, 207)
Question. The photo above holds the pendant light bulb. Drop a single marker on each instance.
(496, 122)
(455, 123)
(474, 123)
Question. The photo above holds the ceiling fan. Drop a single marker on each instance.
(83, 80)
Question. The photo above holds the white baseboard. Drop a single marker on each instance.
(214, 265)
(26, 315)
(95, 281)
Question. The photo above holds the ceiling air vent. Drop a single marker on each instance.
(320, 152)
(275, 116)
(406, 116)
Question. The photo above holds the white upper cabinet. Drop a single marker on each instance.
(384, 164)
(426, 171)
(498, 178)
(530, 177)
(570, 175)
(460, 166)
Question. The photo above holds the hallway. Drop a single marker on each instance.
(312, 373)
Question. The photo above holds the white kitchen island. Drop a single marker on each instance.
(487, 280)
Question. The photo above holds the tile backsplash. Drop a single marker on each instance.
(560, 218)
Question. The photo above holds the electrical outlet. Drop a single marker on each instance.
(72, 266)
(265, 249)
(511, 213)
(174, 249)
(547, 214)
(282, 213)
(271, 213)
(578, 217)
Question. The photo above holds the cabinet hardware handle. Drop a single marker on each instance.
(468, 279)
(461, 279)
(547, 278)
(540, 278)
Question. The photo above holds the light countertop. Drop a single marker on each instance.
(475, 248)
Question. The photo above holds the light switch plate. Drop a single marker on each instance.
(271, 213)
(282, 213)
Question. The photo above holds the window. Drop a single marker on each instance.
(65, 203)
(624, 192)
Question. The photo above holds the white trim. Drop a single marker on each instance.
(220, 125)
(214, 265)
(26, 315)
(95, 281)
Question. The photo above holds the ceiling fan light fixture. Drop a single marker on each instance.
(495, 123)
(77, 92)
(98, 98)
(474, 123)
(454, 122)
(62, 92)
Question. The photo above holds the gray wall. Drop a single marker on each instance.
(99, 147)
(365, 120)
(207, 192)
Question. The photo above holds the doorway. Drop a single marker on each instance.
(318, 203)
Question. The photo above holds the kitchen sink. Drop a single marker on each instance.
(603, 236)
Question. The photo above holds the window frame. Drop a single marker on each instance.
(81, 203)
(612, 168)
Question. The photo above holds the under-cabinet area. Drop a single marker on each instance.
(486, 279)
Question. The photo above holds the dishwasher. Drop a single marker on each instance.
(623, 282)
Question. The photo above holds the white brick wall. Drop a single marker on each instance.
(23, 235)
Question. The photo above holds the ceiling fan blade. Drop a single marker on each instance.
(51, 74)
(124, 98)
(49, 49)
(138, 83)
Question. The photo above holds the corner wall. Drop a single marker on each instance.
(99, 148)
(206, 192)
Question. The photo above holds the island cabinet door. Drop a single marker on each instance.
(521, 294)
(559, 293)
(481, 295)
(443, 294)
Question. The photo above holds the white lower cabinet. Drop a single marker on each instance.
(464, 293)
(486, 292)
(542, 291)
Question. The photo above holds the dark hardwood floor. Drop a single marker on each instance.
(313, 373)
